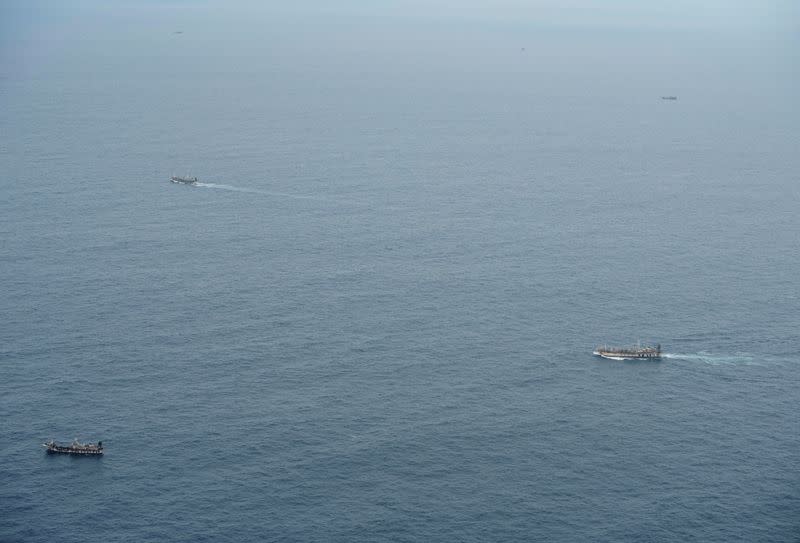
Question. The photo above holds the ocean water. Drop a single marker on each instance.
(373, 319)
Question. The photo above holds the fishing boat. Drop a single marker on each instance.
(629, 353)
(183, 180)
(76, 447)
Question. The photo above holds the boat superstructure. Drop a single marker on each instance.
(629, 353)
(76, 447)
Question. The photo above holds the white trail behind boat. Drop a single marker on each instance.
(225, 187)
(273, 193)
(714, 359)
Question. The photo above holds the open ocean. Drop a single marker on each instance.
(374, 318)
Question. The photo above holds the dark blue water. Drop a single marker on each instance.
(374, 319)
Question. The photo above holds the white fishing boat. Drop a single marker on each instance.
(628, 353)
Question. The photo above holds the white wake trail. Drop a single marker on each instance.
(714, 359)
(273, 193)
(228, 187)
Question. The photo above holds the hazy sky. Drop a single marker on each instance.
(708, 14)
(676, 14)
(687, 38)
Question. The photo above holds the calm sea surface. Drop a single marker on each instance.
(374, 318)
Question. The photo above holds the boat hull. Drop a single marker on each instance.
(75, 453)
(637, 352)
(615, 356)
(75, 450)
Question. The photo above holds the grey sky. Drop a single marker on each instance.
(675, 14)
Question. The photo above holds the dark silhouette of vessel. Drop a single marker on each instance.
(76, 448)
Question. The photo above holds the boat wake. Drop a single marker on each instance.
(714, 359)
(272, 193)
(227, 187)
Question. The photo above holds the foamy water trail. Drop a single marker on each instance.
(273, 193)
(709, 358)
(225, 187)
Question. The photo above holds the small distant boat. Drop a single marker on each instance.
(76, 447)
(669, 97)
(183, 180)
(629, 353)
